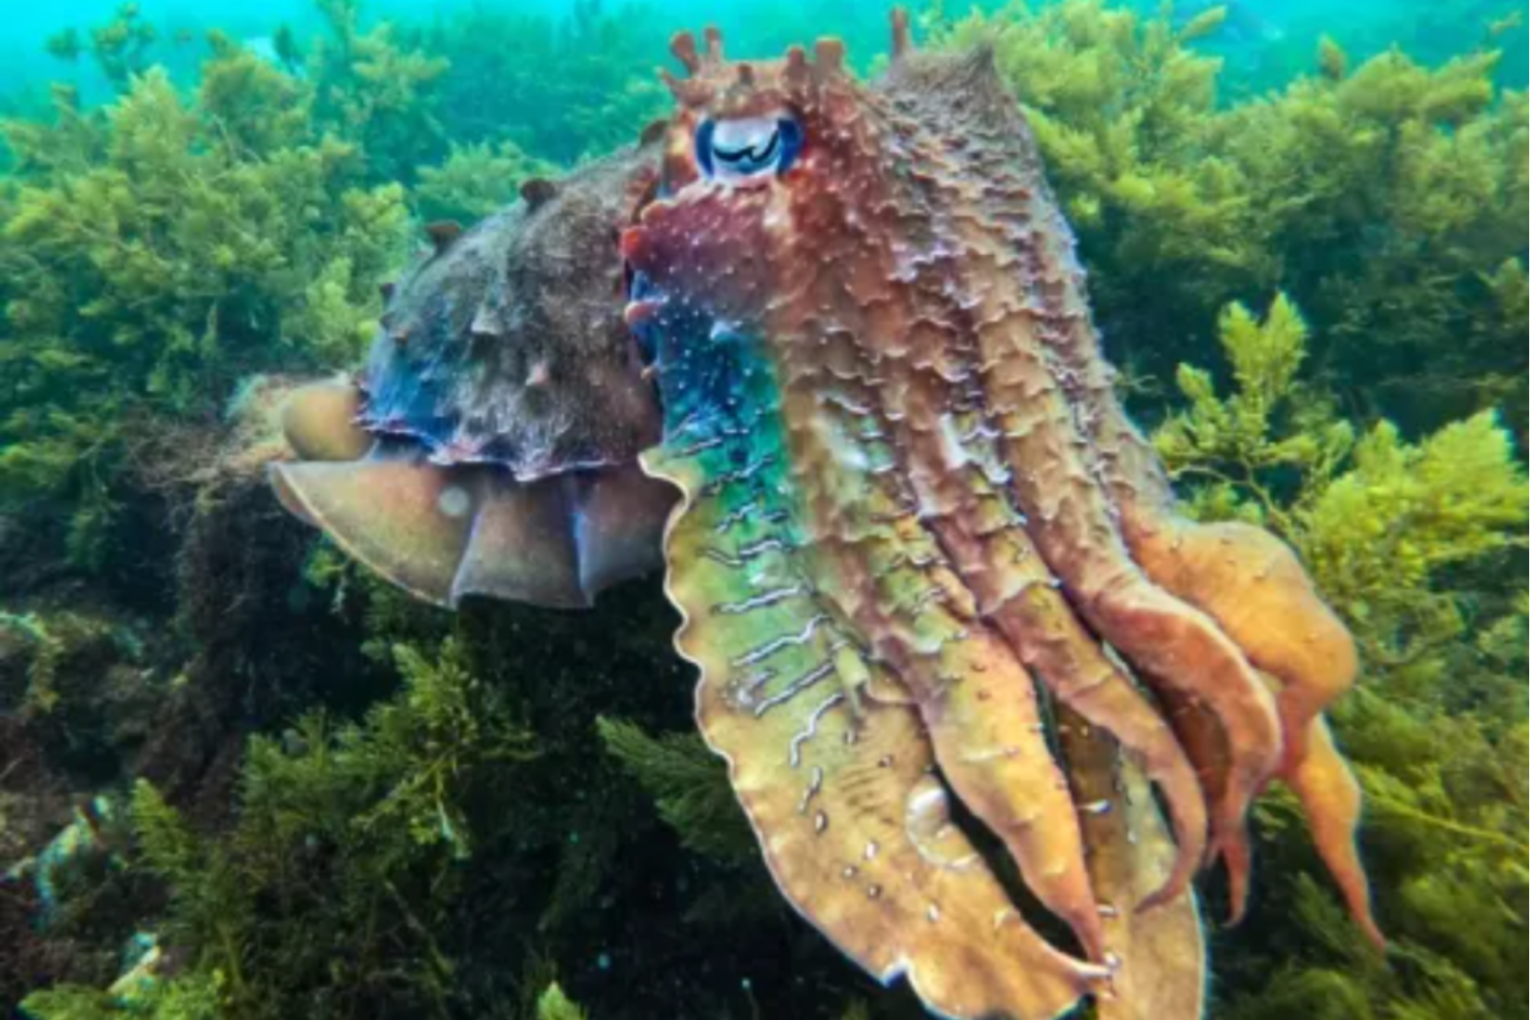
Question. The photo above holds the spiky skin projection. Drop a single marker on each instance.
(911, 499)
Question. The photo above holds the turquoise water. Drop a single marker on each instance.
(1263, 37)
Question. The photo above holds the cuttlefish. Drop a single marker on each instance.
(823, 350)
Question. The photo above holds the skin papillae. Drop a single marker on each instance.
(922, 556)
(910, 491)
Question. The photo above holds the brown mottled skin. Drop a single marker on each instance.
(512, 336)
(1005, 600)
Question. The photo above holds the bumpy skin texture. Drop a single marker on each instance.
(490, 446)
(911, 499)
(508, 346)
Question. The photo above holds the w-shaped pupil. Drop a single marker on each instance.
(750, 153)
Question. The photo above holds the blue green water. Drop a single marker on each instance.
(1269, 38)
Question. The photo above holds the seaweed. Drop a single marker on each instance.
(475, 180)
(345, 853)
(689, 785)
(157, 250)
(1379, 521)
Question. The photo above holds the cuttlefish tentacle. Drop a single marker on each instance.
(1243, 577)
(1159, 973)
(977, 701)
(856, 341)
(873, 557)
(970, 503)
(1330, 795)
(932, 409)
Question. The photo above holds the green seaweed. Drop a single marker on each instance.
(157, 250)
(476, 180)
(346, 852)
(688, 783)
(376, 90)
(1378, 520)
(552, 1004)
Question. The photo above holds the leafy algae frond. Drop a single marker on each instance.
(1388, 199)
(688, 783)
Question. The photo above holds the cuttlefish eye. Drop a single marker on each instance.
(747, 148)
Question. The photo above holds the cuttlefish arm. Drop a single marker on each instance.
(1160, 962)
(831, 760)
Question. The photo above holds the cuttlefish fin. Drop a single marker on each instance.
(519, 548)
(618, 524)
(319, 422)
(1159, 954)
(561, 541)
(406, 520)
(442, 533)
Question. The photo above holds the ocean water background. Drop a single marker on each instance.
(1268, 39)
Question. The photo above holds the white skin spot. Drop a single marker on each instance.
(453, 501)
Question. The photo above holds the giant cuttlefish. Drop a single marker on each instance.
(923, 558)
